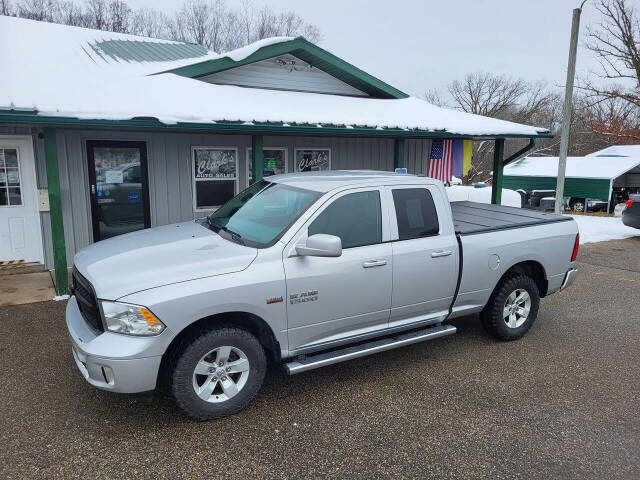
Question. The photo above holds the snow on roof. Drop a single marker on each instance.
(594, 165)
(618, 151)
(57, 70)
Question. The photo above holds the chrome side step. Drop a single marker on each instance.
(349, 353)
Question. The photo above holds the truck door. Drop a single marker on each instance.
(425, 256)
(330, 299)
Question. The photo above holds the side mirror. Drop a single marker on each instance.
(321, 245)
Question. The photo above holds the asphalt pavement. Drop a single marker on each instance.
(563, 402)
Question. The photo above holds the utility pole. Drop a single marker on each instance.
(568, 100)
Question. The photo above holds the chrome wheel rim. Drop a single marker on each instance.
(516, 308)
(221, 374)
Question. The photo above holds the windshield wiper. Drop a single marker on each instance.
(236, 237)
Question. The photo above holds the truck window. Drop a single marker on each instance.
(356, 218)
(416, 213)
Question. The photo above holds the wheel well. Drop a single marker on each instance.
(247, 321)
(533, 269)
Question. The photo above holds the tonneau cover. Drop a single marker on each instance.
(471, 217)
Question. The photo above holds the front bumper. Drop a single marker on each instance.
(112, 361)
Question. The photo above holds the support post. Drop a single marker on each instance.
(566, 121)
(256, 157)
(498, 166)
(398, 153)
(55, 211)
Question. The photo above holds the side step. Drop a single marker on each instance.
(349, 353)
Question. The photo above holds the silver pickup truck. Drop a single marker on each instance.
(305, 270)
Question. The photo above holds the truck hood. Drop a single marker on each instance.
(159, 256)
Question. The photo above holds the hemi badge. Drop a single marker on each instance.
(274, 300)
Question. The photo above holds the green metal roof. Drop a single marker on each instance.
(141, 51)
(308, 52)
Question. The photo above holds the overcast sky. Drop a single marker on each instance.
(420, 44)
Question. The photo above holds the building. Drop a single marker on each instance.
(607, 175)
(104, 133)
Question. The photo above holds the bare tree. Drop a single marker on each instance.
(616, 43)
(149, 22)
(5, 7)
(43, 10)
(498, 96)
(119, 16)
(97, 13)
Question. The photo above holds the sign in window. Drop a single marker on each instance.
(214, 176)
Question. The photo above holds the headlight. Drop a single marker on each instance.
(130, 319)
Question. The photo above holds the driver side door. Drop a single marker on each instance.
(330, 299)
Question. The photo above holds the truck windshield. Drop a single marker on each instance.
(261, 214)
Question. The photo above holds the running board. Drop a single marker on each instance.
(349, 353)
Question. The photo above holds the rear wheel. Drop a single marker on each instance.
(577, 205)
(218, 373)
(512, 308)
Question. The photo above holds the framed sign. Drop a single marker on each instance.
(274, 161)
(313, 159)
(215, 176)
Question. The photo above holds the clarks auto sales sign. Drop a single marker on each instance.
(313, 160)
(214, 163)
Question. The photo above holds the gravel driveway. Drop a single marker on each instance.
(563, 402)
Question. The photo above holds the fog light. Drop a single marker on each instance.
(107, 373)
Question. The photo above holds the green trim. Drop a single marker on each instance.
(55, 209)
(32, 118)
(398, 153)
(498, 166)
(521, 152)
(306, 51)
(257, 162)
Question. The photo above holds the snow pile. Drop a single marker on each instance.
(601, 229)
(460, 193)
(55, 71)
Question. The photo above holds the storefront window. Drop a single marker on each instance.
(313, 159)
(274, 162)
(214, 176)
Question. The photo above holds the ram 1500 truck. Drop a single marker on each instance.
(305, 270)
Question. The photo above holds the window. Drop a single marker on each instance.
(274, 162)
(214, 176)
(260, 215)
(132, 175)
(313, 159)
(415, 212)
(355, 218)
(10, 191)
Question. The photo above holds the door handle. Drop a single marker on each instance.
(440, 253)
(374, 263)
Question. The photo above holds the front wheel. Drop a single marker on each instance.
(218, 373)
(512, 308)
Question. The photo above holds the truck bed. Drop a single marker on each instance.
(470, 218)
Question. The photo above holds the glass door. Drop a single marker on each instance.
(118, 186)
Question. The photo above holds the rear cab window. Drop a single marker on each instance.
(415, 213)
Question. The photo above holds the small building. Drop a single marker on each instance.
(104, 133)
(606, 175)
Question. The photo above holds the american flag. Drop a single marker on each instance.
(441, 160)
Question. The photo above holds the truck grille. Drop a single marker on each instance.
(87, 301)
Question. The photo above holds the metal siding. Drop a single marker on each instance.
(268, 74)
(169, 167)
(574, 187)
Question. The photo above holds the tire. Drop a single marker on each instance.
(193, 392)
(505, 328)
(577, 205)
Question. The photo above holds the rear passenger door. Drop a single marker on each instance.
(425, 255)
(331, 299)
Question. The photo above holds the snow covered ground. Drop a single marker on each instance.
(600, 229)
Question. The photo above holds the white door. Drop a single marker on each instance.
(20, 236)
